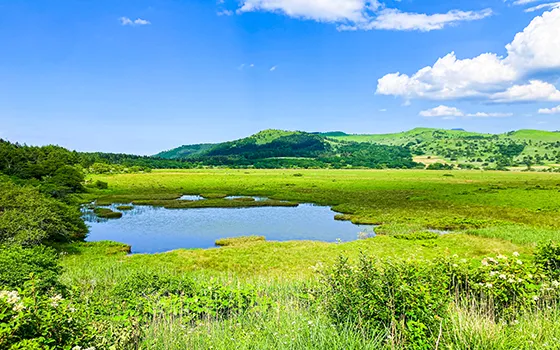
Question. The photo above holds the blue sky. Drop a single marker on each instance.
(143, 76)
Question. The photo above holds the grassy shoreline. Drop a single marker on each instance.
(487, 214)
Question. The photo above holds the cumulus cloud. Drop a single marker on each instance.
(125, 21)
(535, 90)
(488, 76)
(361, 14)
(446, 112)
(553, 110)
(273, 68)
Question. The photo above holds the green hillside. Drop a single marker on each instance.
(471, 149)
(285, 149)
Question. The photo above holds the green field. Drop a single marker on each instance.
(252, 293)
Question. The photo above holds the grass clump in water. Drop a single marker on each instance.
(125, 207)
(214, 195)
(235, 241)
(214, 203)
(107, 213)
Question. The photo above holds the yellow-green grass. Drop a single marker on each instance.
(274, 260)
(235, 241)
(416, 199)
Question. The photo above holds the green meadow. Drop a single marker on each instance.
(485, 214)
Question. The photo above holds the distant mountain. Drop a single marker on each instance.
(521, 147)
(280, 148)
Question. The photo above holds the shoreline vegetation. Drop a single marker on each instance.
(492, 281)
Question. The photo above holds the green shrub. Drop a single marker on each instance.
(102, 185)
(547, 258)
(30, 218)
(409, 299)
(144, 293)
(31, 320)
(509, 285)
(18, 264)
(417, 236)
(440, 166)
(227, 242)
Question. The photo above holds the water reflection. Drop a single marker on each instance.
(153, 229)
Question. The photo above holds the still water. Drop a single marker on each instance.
(152, 229)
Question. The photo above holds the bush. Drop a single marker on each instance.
(18, 264)
(102, 185)
(31, 320)
(510, 285)
(410, 299)
(547, 258)
(31, 218)
(440, 166)
(146, 292)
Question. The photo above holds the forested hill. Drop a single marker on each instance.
(278, 149)
(471, 149)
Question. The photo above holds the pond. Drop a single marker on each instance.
(150, 229)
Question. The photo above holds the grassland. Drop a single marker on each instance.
(464, 147)
(486, 213)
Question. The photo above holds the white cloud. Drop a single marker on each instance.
(225, 13)
(538, 46)
(442, 111)
(452, 112)
(393, 19)
(489, 76)
(273, 68)
(553, 110)
(551, 5)
(319, 10)
(524, 2)
(535, 90)
(125, 21)
(361, 14)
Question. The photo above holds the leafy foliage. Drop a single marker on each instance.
(28, 217)
(18, 265)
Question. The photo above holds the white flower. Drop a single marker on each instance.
(502, 257)
(485, 262)
(18, 307)
(502, 276)
(535, 298)
(493, 273)
(55, 300)
(519, 262)
(555, 284)
(516, 254)
(10, 297)
(511, 280)
(77, 347)
(489, 285)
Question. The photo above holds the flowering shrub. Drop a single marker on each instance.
(411, 299)
(29, 320)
